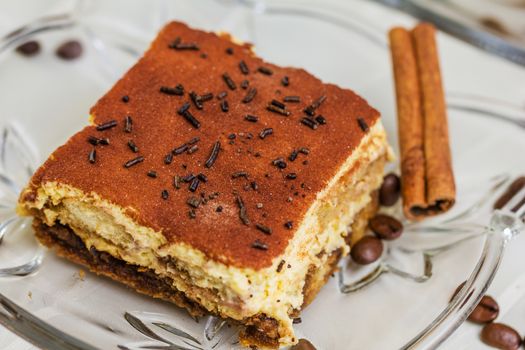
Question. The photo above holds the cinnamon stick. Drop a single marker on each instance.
(427, 179)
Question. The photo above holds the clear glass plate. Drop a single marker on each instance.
(403, 301)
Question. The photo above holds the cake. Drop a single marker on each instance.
(215, 180)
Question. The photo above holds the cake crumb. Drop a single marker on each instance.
(81, 275)
(30, 295)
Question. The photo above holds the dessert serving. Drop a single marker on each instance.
(215, 180)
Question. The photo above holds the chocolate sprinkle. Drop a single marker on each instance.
(251, 118)
(318, 102)
(288, 225)
(193, 202)
(285, 81)
(297, 320)
(188, 178)
(304, 150)
(177, 44)
(280, 266)
(194, 184)
(191, 119)
(128, 124)
(243, 215)
(265, 70)
(187, 46)
(178, 90)
(264, 229)
(362, 124)
(92, 156)
(152, 174)
(107, 125)
(184, 108)
(320, 119)
(193, 149)
(193, 141)
(224, 106)
(165, 194)
(168, 158)
(176, 181)
(179, 150)
(125, 99)
(292, 99)
(228, 80)
(280, 163)
(196, 100)
(229, 51)
(254, 185)
(213, 154)
(244, 84)
(133, 162)
(206, 97)
(219, 209)
(202, 177)
(222, 95)
(250, 95)
(275, 109)
(265, 132)
(278, 104)
(95, 141)
(291, 176)
(238, 174)
(244, 67)
(293, 155)
(310, 110)
(312, 124)
(132, 146)
(259, 245)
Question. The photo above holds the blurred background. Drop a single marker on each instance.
(495, 25)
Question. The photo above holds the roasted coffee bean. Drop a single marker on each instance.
(486, 311)
(303, 344)
(386, 227)
(69, 50)
(390, 190)
(500, 336)
(367, 250)
(29, 48)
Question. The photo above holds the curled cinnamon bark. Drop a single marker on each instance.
(428, 186)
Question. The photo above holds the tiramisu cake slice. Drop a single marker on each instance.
(215, 180)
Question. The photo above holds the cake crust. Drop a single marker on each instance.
(157, 129)
(258, 330)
